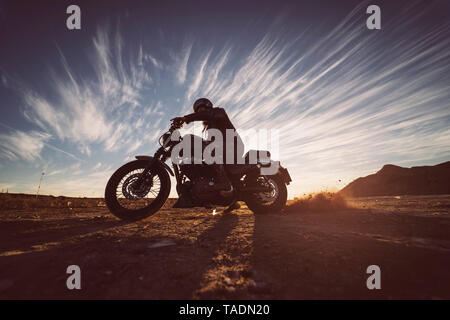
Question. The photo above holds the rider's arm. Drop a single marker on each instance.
(206, 115)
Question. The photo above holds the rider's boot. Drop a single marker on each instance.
(221, 181)
(231, 207)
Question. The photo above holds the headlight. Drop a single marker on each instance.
(164, 139)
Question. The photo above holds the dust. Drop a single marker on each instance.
(315, 202)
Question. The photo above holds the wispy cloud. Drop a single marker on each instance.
(182, 62)
(55, 172)
(198, 76)
(94, 110)
(97, 166)
(142, 57)
(22, 145)
(134, 146)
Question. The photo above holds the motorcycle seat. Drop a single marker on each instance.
(259, 155)
(240, 169)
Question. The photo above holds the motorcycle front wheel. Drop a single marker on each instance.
(272, 201)
(128, 200)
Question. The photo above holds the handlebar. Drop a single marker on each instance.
(176, 124)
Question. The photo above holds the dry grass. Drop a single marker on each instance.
(322, 201)
(18, 201)
(23, 202)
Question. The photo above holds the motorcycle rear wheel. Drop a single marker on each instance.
(120, 193)
(268, 202)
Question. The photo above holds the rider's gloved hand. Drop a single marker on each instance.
(178, 119)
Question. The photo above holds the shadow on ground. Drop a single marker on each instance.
(193, 254)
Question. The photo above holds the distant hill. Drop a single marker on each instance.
(394, 180)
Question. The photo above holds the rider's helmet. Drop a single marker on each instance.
(202, 102)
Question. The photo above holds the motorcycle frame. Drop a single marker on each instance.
(162, 154)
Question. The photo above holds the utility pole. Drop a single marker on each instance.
(39, 187)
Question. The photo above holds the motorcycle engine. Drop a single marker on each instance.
(201, 190)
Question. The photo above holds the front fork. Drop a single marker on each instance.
(158, 154)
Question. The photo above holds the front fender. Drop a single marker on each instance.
(149, 158)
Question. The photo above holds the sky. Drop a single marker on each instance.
(345, 100)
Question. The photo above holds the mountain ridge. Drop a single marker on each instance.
(393, 180)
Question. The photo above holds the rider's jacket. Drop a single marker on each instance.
(217, 118)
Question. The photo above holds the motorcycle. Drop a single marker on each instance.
(140, 188)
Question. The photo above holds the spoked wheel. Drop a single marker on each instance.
(132, 196)
(128, 199)
(271, 201)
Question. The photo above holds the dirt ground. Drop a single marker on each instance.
(193, 254)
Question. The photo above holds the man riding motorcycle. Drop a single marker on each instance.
(216, 118)
(141, 187)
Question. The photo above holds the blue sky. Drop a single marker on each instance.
(346, 100)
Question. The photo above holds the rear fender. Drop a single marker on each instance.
(275, 168)
(284, 174)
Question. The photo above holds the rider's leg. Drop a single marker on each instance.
(221, 181)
